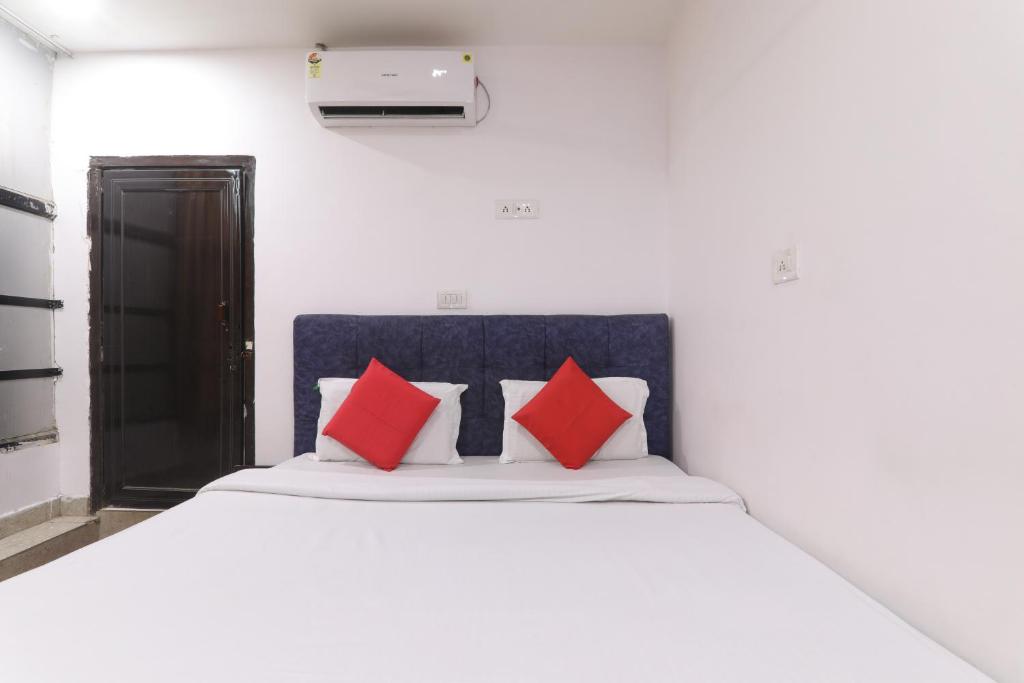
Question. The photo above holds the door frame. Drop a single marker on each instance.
(94, 228)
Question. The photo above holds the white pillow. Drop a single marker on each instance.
(434, 445)
(629, 441)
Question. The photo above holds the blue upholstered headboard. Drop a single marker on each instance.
(480, 351)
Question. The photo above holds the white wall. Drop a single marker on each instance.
(25, 113)
(871, 411)
(30, 475)
(376, 221)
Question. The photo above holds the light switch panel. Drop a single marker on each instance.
(451, 298)
(785, 267)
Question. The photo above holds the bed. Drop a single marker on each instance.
(320, 571)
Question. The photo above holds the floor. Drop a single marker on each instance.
(113, 520)
(53, 535)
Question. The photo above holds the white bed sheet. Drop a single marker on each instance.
(482, 478)
(257, 586)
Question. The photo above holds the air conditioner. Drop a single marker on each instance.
(391, 88)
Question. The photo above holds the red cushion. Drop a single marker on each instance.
(571, 416)
(381, 416)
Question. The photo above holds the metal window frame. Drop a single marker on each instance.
(36, 206)
(27, 203)
(33, 373)
(29, 302)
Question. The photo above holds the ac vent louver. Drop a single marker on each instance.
(392, 112)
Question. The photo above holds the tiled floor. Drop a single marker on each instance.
(113, 520)
(42, 543)
(23, 549)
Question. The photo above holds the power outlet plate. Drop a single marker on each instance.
(527, 208)
(505, 209)
(516, 209)
(448, 299)
(785, 267)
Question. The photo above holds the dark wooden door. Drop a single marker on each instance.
(173, 335)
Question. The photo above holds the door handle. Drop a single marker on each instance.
(222, 312)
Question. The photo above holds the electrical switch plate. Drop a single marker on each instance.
(451, 298)
(785, 266)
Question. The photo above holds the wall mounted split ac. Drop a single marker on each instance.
(391, 88)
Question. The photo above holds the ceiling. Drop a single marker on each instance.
(102, 25)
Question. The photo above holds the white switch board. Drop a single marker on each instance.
(451, 298)
(527, 208)
(505, 209)
(516, 209)
(785, 267)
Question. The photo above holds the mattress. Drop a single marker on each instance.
(479, 572)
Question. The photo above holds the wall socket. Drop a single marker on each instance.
(451, 298)
(513, 209)
(527, 208)
(505, 209)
